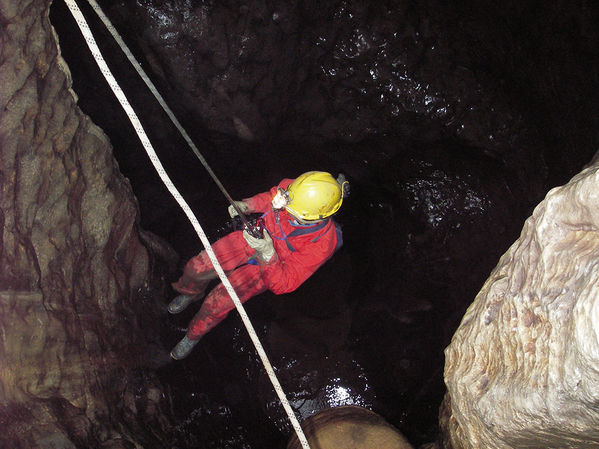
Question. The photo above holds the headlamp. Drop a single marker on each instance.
(281, 199)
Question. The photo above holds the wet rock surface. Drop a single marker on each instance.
(76, 279)
(318, 72)
(450, 121)
(441, 187)
(520, 369)
(349, 427)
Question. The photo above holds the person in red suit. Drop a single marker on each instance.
(299, 235)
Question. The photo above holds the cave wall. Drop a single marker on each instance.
(521, 370)
(76, 279)
(77, 285)
(319, 72)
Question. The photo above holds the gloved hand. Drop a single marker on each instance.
(243, 207)
(264, 246)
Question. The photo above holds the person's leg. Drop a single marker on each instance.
(247, 282)
(192, 284)
(231, 252)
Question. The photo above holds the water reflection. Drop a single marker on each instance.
(337, 391)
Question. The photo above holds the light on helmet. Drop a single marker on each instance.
(281, 199)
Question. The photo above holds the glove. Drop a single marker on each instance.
(264, 246)
(243, 207)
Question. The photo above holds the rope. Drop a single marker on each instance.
(89, 38)
(137, 66)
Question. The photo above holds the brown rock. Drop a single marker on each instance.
(349, 427)
(74, 274)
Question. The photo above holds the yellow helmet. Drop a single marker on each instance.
(314, 195)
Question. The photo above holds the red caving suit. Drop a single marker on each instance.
(300, 251)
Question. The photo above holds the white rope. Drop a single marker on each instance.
(91, 42)
(137, 66)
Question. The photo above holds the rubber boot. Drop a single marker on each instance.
(183, 348)
(201, 281)
(180, 303)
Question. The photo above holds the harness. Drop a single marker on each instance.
(301, 229)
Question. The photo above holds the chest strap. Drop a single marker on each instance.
(303, 230)
(299, 230)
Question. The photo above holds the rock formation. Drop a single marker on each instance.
(521, 370)
(78, 281)
(75, 278)
(349, 427)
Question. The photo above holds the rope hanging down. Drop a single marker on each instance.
(91, 42)
(137, 66)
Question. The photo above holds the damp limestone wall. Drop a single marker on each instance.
(75, 276)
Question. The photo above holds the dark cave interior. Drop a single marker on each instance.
(432, 208)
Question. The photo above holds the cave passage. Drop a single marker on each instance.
(430, 213)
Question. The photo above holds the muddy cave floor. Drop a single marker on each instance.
(369, 328)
